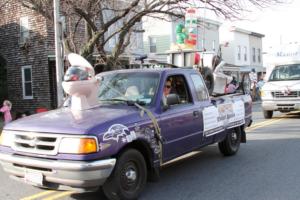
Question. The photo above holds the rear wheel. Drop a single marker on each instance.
(128, 178)
(268, 114)
(231, 144)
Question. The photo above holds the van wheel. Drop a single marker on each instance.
(268, 114)
(208, 79)
(231, 144)
(128, 177)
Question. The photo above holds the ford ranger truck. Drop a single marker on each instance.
(123, 141)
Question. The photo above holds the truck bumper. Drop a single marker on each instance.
(284, 105)
(58, 174)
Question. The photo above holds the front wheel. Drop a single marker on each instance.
(268, 114)
(231, 144)
(128, 178)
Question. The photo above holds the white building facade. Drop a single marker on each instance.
(242, 47)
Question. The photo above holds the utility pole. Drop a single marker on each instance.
(58, 53)
(204, 13)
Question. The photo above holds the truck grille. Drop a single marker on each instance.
(291, 94)
(29, 142)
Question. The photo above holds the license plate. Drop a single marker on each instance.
(34, 177)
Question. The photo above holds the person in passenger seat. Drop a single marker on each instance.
(180, 89)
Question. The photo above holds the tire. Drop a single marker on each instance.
(231, 144)
(268, 114)
(128, 177)
(246, 84)
(208, 79)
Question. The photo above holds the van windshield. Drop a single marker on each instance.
(285, 73)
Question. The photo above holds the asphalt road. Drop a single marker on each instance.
(265, 168)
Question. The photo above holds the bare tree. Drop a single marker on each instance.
(104, 20)
(3, 3)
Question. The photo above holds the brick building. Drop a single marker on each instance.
(27, 58)
(26, 49)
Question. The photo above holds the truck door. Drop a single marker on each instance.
(181, 124)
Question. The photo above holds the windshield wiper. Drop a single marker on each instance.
(119, 100)
(129, 102)
(293, 79)
(142, 103)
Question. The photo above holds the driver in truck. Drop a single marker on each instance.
(166, 91)
(167, 88)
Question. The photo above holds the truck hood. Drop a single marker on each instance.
(282, 85)
(66, 121)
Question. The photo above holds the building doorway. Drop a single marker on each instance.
(3, 80)
(52, 84)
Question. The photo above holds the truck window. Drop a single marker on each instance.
(199, 87)
(179, 87)
(285, 73)
(128, 86)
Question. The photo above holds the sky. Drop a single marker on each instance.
(280, 24)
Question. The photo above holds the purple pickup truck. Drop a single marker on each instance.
(145, 118)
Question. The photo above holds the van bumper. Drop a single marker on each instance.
(284, 105)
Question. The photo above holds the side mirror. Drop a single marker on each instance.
(173, 99)
(165, 107)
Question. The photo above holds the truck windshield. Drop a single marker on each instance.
(285, 73)
(132, 86)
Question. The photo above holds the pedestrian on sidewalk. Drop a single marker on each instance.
(6, 110)
(260, 84)
(253, 79)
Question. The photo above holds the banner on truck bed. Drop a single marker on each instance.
(223, 116)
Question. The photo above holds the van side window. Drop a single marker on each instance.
(199, 87)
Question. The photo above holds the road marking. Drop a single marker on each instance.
(260, 123)
(263, 124)
(41, 194)
(57, 196)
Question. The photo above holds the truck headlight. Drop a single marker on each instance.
(7, 138)
(78, 145)
(266, 94)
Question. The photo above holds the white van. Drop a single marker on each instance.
(281, 92)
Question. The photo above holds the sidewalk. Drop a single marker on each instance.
(256, 102)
